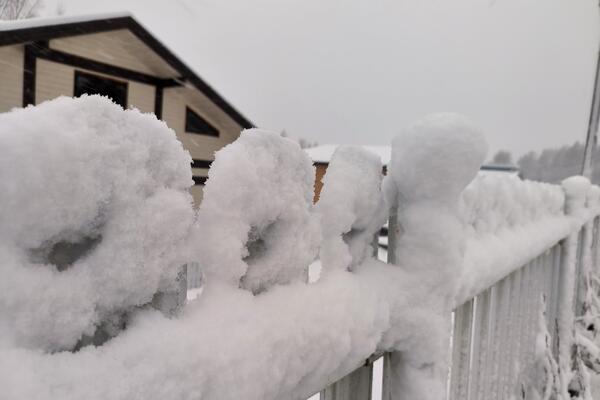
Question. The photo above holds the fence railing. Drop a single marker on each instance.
(497, 334)
(91, 262)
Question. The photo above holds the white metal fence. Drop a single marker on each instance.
(496, 334)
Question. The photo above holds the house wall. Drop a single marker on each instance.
(120, 48)
(201, 147)
(55, 79)
(123, 49)
(11, 77)
(320, 169)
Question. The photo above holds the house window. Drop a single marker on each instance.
(94, 84)
(194, 123)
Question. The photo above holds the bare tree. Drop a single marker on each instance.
(304, 144)
(502, 157)
(18, 9)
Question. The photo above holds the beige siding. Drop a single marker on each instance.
(201, 147)
(121, 48)
(53, 80)
(200, 171)
(197, 192)
(11, 77)
(141, 96)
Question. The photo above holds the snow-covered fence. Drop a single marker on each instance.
(515, 338)
(92, 259)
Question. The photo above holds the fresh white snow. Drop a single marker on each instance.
(110, 191)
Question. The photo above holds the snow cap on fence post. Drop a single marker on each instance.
(432, 162)
(593, 197)
(436, 158)
(255, 226)
(350, 207)
(576, 189)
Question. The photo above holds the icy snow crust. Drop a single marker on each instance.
(85, 172)
(117, 181)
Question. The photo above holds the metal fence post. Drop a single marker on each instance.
(575, 194)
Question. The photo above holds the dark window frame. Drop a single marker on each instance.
(118, 83)
(200, 126)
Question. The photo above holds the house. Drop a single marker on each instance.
(114, 55)
(321, 155)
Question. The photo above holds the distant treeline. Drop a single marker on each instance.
(554, 165)
(551, 165)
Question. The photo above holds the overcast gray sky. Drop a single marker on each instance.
(357, 71)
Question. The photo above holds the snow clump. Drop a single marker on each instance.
(255, 224)
(432, 162)
(94, 203)
(351, 207)
(494, 202)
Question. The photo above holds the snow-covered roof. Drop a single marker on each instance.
(51, 21)
(323, 153)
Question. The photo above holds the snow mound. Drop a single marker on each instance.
(432, 162)
(351, 207)
(94, 202)
(500, 201)
(437, 157)
(576, 189)
(255, 224)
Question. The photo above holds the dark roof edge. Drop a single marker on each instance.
(45, 32)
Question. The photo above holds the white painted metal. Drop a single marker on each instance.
(479, 345)
(494, 333)
(461, 351)
(354, 386)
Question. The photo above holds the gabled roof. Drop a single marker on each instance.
(43, 29)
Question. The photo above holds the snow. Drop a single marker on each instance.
(255, 222)
(111, 193)
(93, 198)
(350, 207)
(45, 21)
(432, 162)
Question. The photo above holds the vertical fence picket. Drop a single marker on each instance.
(461, 351)
(492, 345)
(479, 351)
(354, 386)
(526, 322)
(554, 298)
(503, 334)
(514, 320)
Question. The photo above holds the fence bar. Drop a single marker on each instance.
(461, 351)
(479, 352)
(354, 386)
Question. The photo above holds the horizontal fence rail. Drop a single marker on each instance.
(123, 290)
(496, 333)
